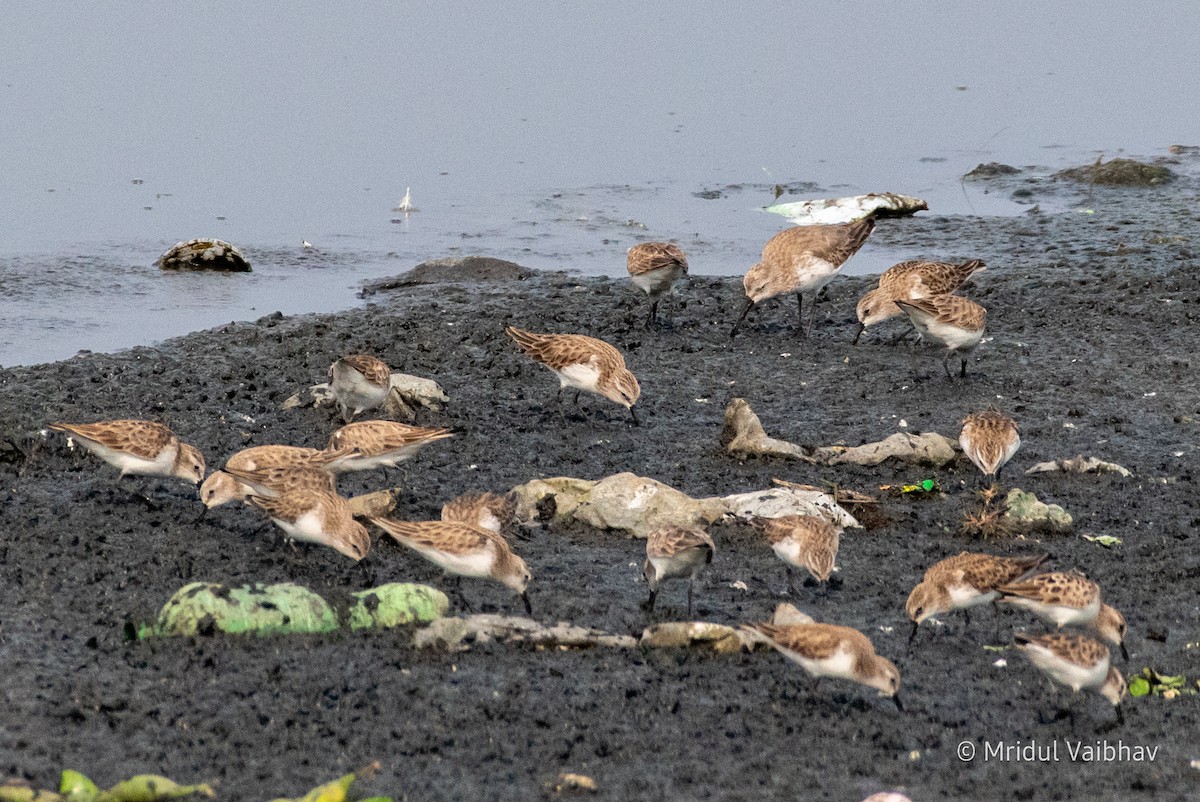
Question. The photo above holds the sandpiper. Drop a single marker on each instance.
(908, 281)
(359, 382)
(654, 267)
(965, 580)
(1066, 599)
(140, 447)
(950, 320)
(676, 552)
(989, 439)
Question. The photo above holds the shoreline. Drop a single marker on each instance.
(1091, 349)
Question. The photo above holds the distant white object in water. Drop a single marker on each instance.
(306, 244)
(405, 205)
(847, 210)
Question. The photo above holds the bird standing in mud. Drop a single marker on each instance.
(965, 580)
(950, 320)
(654, 267)
(359, 382)
(1078, 662)
(908, 281)
(989, 439)
(1066, 599)
(802, 260)
(138, 447)
(583, 363)
(462, 549)
(802, 541)
(829, 650)
(676, 552)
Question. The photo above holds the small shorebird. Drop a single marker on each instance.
(675, 552)
(952, 321)
(583, 363)
(654, 267)
(908, 281)
(485, 510)
(802, 259)
(379, 444)
(803, 541)
(139, 447)
(316, 516)
(1078, 662)
(965, 580)
(989, 439)
(274, 481)
(359, 382)
(1064, 599)
(463, 550)
(221, 488)
(828, 650)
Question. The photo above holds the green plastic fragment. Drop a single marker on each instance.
(259, 609)
(1107, 541)
(76, 787)
(395, 604)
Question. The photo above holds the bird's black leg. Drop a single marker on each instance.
(963, 373)
(946, 365)
(800, 313)
(651, 320)
(689, 597)
(745, 311)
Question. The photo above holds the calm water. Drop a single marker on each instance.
(552, 134)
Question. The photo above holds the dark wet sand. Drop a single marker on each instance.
(1092, 348)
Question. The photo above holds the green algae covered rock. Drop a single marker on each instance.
(395, 604)
(205, 607)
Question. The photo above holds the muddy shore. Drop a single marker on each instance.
(1091, 347)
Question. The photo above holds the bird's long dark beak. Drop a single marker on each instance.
(204, 513)
(861, 328)
(633, 414)
(896, 699)
(745, 311)
(528, 606)
(1124, 652)
(914, 632)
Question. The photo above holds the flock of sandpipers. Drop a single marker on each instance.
(296, 487)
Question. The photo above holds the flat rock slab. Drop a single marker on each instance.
(443, 271)
(458, 633)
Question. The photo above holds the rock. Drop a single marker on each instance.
(575, 782)
(624, 501)
(1118, 172)
(206, 607)
(775, 502)
(408, 393)
(928, 448)
(1024, 512)
(847, 210)
(637, 505)
(679, 634)
(441, 271)
(991, 170)
(1079, 464)
(204, 254)
(373, 505)
(787, 614)
(458, 633)
(395, 604)
(743, 434)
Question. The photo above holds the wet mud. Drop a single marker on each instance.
(1091, 346)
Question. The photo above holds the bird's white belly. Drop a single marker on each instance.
(656, 282)
(309, 527)
(967, 596)
(840, 664)
(128, 463)
(1067, 673)
(953, 337)
(788, 550)
(580, 376)
(475, 564)
(813, 274)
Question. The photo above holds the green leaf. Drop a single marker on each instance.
(1107, 541)
(1139, 686)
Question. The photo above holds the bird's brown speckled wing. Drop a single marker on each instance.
(450, 537)
(816, 641)
(283, 479)
(669, 540)
(558, 351)
(141, 438)
(374, 437)
(988, 572)
(373, 369)
(1056, 588)
(468, 508)
(1078, 649)
(834, 244)
(650, 256)
(952, 310)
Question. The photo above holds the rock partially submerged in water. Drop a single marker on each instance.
(846, 210)
(1119, 173)
(458, 268)
(637, 505)
(991, 170)
(204, 254)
